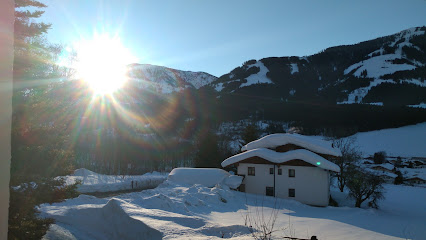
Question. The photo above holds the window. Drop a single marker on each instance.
(291, 173)
(291, 192)
(251, 171)
(271, 170)
(269, 191)
(280, 171)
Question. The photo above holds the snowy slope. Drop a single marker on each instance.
(257, 78)
(197, 212)
(167, 80)
(378, 64)
(408, 141)
(260, 77)
(369, 72)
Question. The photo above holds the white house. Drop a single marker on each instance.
(289, 166)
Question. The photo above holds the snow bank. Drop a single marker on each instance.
(107, 222)
(95, 182)
(277, 157)
(311, 143)
(233, 181)
(208, 177)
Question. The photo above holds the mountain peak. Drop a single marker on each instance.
(167, 80)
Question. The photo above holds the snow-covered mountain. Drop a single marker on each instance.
(167, 80)
(389, 70)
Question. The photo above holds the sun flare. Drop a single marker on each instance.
(102, 63)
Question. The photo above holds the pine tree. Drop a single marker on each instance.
(250, 133)
(25, 27)
(29, 47)
(207, 152)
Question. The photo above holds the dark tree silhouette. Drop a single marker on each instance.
(350, 154)
(207, 152)
(363, 186)
(250, 133)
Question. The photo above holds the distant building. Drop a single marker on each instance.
(290, 166)
(415, 180)
(386, 167)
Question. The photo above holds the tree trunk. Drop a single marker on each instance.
(340, 184)
(358, 203)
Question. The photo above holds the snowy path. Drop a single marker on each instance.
(116, 193)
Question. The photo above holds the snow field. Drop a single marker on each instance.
(407, 141)
(182, 211)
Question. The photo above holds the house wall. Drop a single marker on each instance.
(311, 184)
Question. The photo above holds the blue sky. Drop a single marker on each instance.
(217, 36)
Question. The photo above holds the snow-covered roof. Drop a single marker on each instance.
(278, 157)
(208, 177)
(387, 166)
(410, 173)
(279, 139)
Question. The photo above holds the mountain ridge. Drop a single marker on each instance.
(340, 74)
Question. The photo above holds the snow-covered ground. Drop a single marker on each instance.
(408, 141)
(95, 182)
(181, 211)
(196, 212)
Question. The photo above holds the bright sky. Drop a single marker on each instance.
(217, 36)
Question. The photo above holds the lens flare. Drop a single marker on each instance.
(102, 63)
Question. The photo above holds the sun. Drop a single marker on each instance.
(102, 63)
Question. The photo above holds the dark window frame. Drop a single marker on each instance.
(280, 171)
(291, 192)
(251, 171)
(269, 191)
(271, 171)
(292, 172)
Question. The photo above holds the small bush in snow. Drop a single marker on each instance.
(379, 157)
(399, 179)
